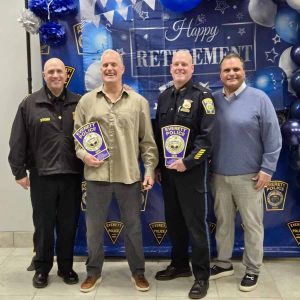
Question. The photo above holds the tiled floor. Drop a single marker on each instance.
(279, 279)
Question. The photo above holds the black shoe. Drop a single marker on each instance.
(249, 283)
(199, 289)
(171, 272)
(40, 280)
(218, 272)
(69, 277)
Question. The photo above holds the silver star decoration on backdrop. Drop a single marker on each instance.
(271, 55)
(144, 15)
(241, 31)
(121, 51)
(276, 39)
(201, 19)
(221, 6)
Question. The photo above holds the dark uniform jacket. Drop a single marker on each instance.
(41, 136)
(193, 107)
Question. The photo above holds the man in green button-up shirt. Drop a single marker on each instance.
(124, 118)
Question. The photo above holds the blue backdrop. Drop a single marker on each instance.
(146, 34)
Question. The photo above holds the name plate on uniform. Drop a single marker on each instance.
(90, 138)
(175, 138)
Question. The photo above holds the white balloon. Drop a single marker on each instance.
(92, 78)
(294, 4)
(263, 12)
(288, 66)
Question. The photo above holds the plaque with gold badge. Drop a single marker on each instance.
(90, 138)
(175, 138)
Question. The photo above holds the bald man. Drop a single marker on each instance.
(42, 144)
(184, 178)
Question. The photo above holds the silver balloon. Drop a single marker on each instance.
(263, 12)
(295, 4)
(92, 77)
(288, 66)
(30, 21)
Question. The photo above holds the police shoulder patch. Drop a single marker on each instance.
(208, 105)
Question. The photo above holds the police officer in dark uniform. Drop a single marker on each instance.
(184, 180)
(41, 141)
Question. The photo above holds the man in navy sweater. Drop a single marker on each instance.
(246, 148)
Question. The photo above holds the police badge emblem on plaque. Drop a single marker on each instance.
(90, 138)
(175, 138)
(275, 195)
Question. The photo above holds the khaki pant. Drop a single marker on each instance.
(232, 193)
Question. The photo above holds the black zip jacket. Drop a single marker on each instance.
(41, 137)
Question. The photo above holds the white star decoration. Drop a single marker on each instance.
(144, 15)
(221, 6)
(276, 39)
(201, 19)
(271, 55)
(241, 31)
(121, 51)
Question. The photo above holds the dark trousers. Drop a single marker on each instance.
(99, 196)
(185, 199)
(56, 204)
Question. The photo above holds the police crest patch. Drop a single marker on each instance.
(209, 106)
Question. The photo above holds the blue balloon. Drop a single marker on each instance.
(295, 109)
(273, 81)
(287, 25)
(180, 5)
(291, 132)
(269, 78)
(295, 54)
(295, 82)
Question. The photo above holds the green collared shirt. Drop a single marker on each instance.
(127, 130)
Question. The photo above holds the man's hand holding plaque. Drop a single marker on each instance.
(90, 138)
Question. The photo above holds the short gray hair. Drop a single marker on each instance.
(112, 51)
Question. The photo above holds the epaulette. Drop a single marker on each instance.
(166, 86)
(203, 89)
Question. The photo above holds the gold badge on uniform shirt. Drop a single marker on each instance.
(186, 105)
(209, 106)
